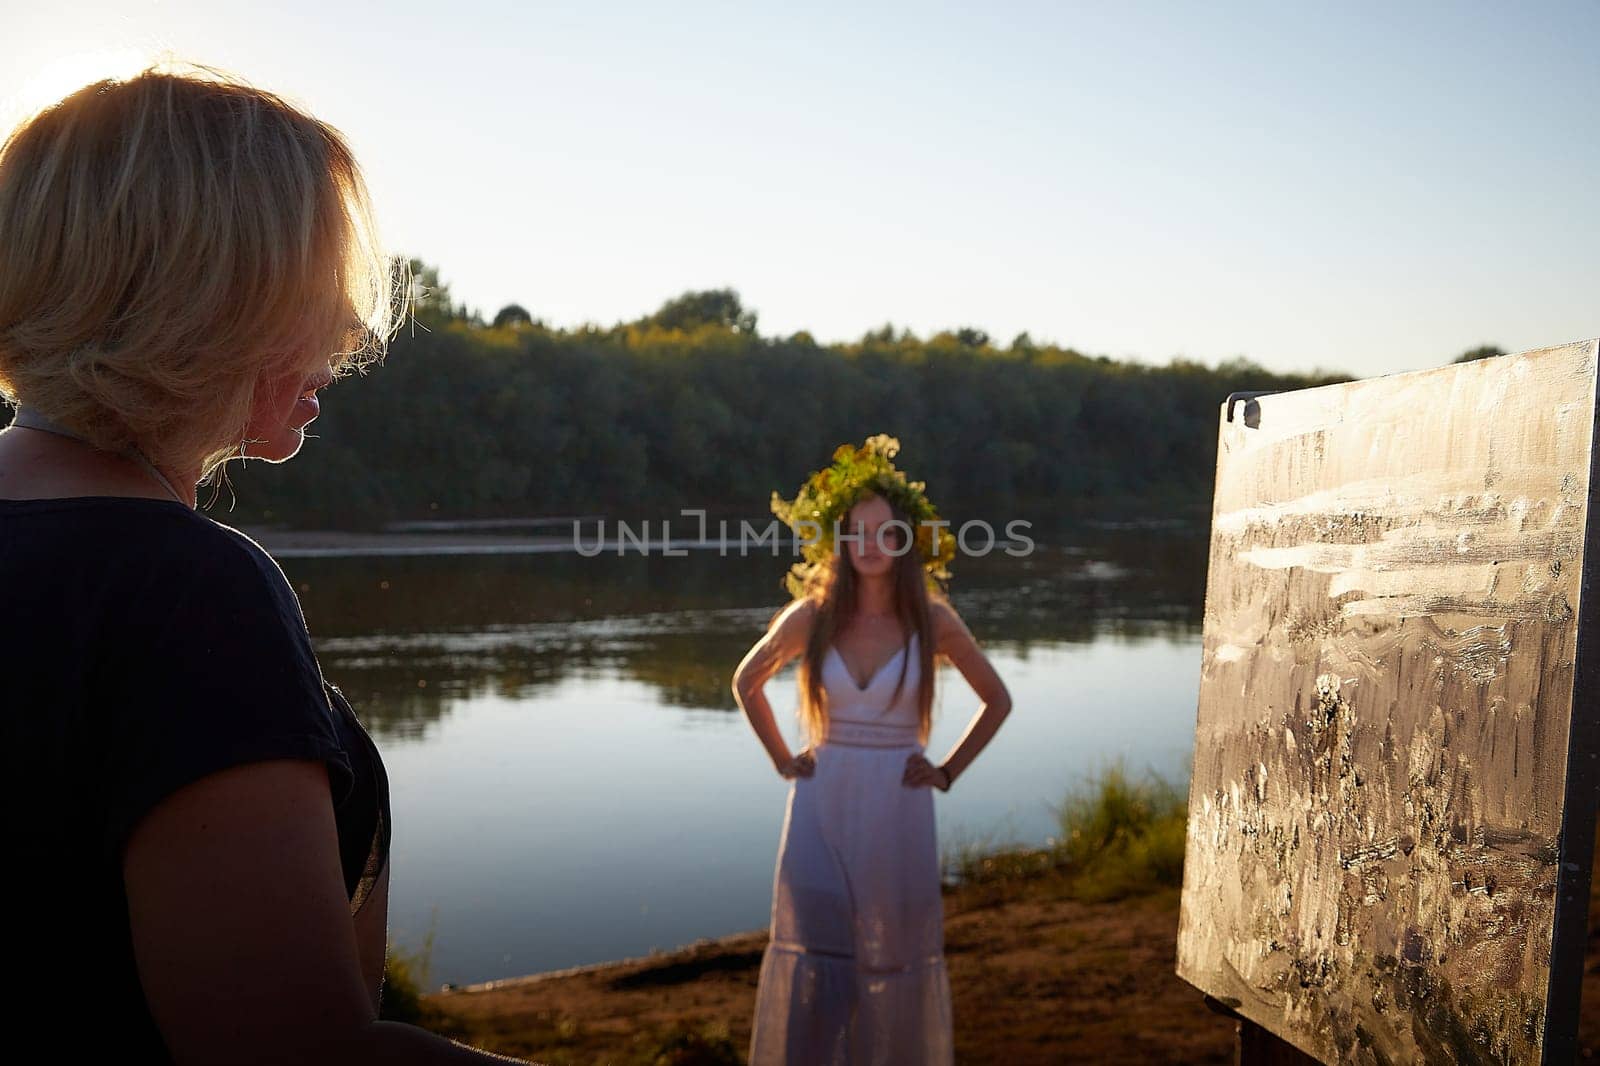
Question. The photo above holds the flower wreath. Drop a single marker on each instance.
(828, 494)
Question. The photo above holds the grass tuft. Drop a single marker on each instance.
(1121, 835)
(685, 1043)
(405, 975)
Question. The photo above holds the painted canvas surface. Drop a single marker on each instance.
(1386, 712)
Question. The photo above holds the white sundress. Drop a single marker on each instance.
(855, 972)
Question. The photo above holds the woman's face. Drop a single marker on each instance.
(284, 406)
(865, 520)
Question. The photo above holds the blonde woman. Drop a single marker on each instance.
(198, 826)
(855, 971)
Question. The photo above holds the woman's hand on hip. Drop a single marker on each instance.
(922, 773)
(802, 765)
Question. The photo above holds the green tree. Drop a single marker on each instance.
(708, 307)
(512, 315)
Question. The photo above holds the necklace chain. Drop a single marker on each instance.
(28, 418)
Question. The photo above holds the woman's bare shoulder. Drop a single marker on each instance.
(941, 612)
(786, 637)
(794, 622)
(948, 628)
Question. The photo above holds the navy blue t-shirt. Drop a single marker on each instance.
(143, 646)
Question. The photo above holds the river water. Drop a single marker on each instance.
(573, 782)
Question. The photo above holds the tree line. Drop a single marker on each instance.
(692, 406)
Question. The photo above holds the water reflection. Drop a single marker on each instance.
(572, 782)
(408, 637)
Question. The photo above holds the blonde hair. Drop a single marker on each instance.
(167, 241)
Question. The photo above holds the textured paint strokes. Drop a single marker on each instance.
(1385, 705)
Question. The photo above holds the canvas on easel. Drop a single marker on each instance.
(1391, 814)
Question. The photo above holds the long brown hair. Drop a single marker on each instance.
(832, 588)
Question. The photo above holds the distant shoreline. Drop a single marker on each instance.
(332, 544)
(314, 544)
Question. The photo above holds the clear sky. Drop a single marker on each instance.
(1357, 186)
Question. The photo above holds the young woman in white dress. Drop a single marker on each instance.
(855, 970)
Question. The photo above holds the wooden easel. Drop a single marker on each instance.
(1255, 1046)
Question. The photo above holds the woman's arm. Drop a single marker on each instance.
(955, 641)
(784, 640)
(246, 948)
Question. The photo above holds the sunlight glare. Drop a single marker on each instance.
(67, 73)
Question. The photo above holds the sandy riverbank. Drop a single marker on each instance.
(1037, 976)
